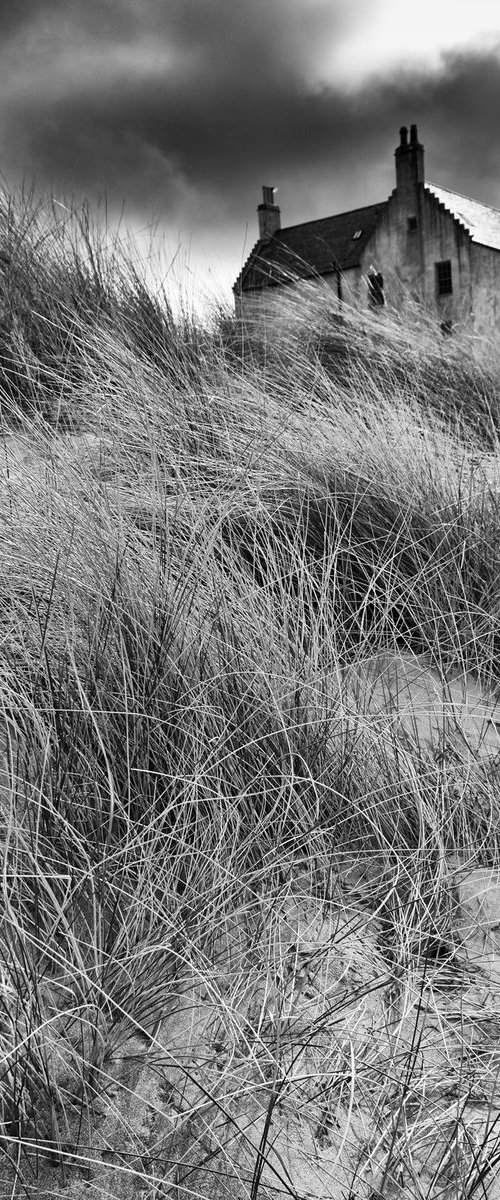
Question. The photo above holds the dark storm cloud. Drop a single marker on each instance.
(461, 108)
(190, 105)
(14, 14)
(175, 98)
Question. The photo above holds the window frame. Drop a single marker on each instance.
(444, 277)
(376, 296)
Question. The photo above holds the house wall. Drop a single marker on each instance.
(279, 307)
(282, 307)
(407, 257)
(485, 276)
(395, 252)
(446, 239)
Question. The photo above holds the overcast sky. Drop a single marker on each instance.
(182, 109)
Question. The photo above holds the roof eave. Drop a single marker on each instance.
(485, 245)
(288, 279)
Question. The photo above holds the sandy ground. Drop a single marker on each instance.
(290, 1080)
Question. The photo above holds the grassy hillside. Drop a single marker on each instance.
(210, 542)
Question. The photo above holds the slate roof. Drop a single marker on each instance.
(481, 221)
(310, 249)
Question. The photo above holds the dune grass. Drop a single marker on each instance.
(203, 531)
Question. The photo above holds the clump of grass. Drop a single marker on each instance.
(204, 534)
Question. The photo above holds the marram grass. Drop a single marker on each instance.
(204, 533)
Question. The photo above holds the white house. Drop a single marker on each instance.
(424, 240)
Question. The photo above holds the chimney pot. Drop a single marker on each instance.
(269, 214)
(409, 167)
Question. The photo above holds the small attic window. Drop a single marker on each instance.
(412, 224)
(357, 235)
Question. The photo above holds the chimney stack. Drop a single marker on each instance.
(409, 163)
(269, 214)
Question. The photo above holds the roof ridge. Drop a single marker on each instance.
(332, 216)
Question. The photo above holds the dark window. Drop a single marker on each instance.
(412, 224)
(444, 284)
(376, 288)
